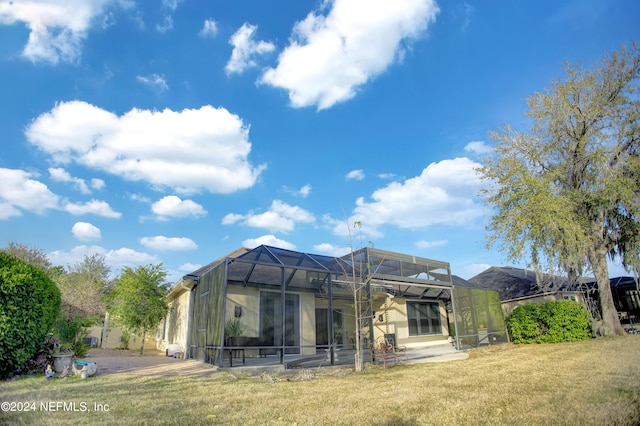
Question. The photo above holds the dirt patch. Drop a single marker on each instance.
(152, 363)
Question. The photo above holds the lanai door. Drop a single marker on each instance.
(271, 320)
(322, 328)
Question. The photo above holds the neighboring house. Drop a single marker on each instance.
(626, 298)
(300, 304)
(518, 287)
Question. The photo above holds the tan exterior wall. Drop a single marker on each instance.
(249, 299)
(307, 323)
(113, 339)
(394, 320)
(173, 330)
(349, 325)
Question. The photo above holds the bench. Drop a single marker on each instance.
(261, 344)
(384, 349)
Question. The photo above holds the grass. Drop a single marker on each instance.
(590, 382)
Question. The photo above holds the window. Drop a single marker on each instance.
(424, 318)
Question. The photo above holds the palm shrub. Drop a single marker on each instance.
(72, 333)
(29, 305)
(549, 322)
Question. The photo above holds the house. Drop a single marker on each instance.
(517, 287)
(626, 298)
(292, 304)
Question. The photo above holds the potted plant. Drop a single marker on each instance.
(234, 332)
(63, 358)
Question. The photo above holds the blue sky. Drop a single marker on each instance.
(176, 131)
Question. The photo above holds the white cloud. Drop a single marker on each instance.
(168, 6)
(19, 191)
(57, 28)
(7, 210)
(189, 150)
(463, 13)
(140, 198)
(386, 176)
(97, 183)
(189, 267)
(168, 243)
(332, 250)
(165, 25)
(154, 81)
(268, 240)
(355, 175)
(474, 269)
(431, 244)
(330, 56)
(443, 194)
(478, 147)
(84, 231)
(173, 206)
(209, 28)
(61, 175)
(302, 192)
(115, 259)
(281, 217)
(96, 207)
(245, 49)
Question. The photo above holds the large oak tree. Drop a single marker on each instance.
(567, 191)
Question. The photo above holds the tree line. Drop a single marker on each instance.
(79, 296)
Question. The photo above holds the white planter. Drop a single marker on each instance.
(62, 362)
(85, 369)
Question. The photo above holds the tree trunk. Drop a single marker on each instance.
(105, 330)
(144, 334)
(358, 318)
(610, 320)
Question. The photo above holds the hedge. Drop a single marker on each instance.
(29, 305)
(549, 322)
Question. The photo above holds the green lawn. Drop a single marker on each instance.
(591, 382)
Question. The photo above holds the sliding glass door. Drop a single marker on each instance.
(271, 326)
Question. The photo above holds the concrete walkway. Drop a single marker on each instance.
(153, 363)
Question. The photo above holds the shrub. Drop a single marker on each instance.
(29, 305)
(72, 333)
(549, 322)
(44, 356)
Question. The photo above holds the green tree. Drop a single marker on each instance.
(84, 289)
(568, 192)
(33, 256)
(29, 305)
(137, 300)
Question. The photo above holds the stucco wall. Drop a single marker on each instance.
(173, 330)
(248, 298)
(113, 340)
(394, 320)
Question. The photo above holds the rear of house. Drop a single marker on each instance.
(296, 304)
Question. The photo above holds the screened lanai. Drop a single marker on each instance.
(290, 305)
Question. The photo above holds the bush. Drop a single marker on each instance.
(72, 333)
(549, 322)
(44, 356)
(29, 305)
